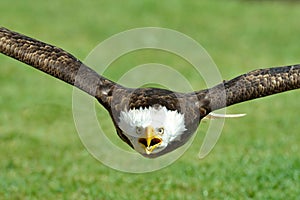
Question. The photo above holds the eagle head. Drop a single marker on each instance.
(150, 130)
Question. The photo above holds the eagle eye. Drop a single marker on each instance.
(160, 130)
(138, 130)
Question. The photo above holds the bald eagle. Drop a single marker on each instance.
(152, 121)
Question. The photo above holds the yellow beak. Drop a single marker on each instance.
(151, 141)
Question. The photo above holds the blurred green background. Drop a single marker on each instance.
(41, 156)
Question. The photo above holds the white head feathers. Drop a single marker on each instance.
(156, 117)
(171, 121)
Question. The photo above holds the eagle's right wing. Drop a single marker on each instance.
(55, 62)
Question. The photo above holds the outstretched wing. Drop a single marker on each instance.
(55, 62)
(252, 85)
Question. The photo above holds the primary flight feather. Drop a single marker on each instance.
(152, 121)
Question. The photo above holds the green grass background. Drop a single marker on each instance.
(41, 156)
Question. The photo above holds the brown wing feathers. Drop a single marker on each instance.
(55, 62)
(66, 67)
(255, 84)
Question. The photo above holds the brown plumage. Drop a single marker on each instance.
(116, 98)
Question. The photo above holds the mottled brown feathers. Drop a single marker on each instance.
(55, 62)
(116, 98)
(256, 84)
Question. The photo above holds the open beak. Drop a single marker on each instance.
(151, 141)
